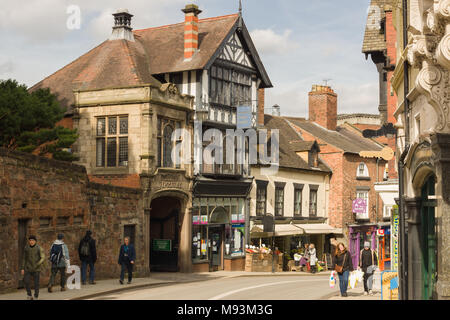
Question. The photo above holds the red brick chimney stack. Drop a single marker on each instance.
(323, 106)
(190, 30)
(261, 98)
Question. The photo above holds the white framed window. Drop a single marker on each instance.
(362, 170)
(363, 194)
(387, 211)
(112, 141)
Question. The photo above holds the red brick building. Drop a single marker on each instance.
(353, 176)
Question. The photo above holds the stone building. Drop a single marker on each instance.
(129, 95)
(422, 82)
(353, 176)
(297, 196)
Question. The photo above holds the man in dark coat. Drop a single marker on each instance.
(368, 263)
(88, 256)
(127, 257)
(32, 260)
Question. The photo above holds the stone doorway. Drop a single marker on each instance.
(164, 234)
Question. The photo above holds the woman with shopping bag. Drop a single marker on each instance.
(343, 265)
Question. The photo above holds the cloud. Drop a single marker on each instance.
(268, 42)
(7, 67)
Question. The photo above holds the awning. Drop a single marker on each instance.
(317, 228)
(280, 230)
(292, 230)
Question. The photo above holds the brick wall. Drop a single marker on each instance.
(39, 189)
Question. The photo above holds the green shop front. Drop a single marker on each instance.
(219, 227)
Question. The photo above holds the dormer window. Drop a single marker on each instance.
(362, 172)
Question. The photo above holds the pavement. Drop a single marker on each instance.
(109, 286)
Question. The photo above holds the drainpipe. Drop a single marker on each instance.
(403, 236)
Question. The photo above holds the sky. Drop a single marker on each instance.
(300, 42)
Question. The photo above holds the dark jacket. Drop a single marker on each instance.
(131, 254)
(339, 260)
(92, 257)
(33, 258)
(365, 259)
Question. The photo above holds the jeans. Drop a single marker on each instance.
(343, 281)
(84, 265)
(129, 267)
(26, 280)
(53, 275)
(368, 281)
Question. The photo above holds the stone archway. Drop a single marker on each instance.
(165, 217)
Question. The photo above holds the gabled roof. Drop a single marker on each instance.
(288, 143)
(212, 32)
(373, 39)
(342, 138)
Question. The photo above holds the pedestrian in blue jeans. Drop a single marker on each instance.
(342, 261)
(127, 257)
(88, 256)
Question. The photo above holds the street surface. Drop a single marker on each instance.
(240, 288)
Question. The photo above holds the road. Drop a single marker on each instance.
(307, 287)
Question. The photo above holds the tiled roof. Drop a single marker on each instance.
(289, 143)
(117, 63)
(121, 63)
(342, 138)
(165, 45)
(373, 39)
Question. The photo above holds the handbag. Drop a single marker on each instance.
(339, 268)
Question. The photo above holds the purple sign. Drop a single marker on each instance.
(359, 205)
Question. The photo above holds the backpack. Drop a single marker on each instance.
(56, 253)
(85, 249)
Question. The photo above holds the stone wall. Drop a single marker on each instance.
(56, 197)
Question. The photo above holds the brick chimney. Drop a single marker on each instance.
(191, 12)
(323, 106)
(261, 97)
(122, 26)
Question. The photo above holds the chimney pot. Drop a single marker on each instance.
(122, 26)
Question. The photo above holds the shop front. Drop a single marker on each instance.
(384, 247)
(218, 234)
(358, 234)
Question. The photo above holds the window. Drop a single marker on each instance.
(45, 222)
(387, 212)
(313, 203)
(363, 194)
(279, 200)
(230, 87)
(62, 221)
(130, 232)
(297, 201)
(362, 171)
(261, 197)
(112, 141)
(165, 144)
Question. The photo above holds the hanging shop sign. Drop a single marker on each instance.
(359, 205)
(204, 219)
(380, 232)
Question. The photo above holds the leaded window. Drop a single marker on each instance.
(261, 199)
(279, 201)
(230, 87)
(165, 143)
(111, 143)
(313, 203)
(297, 202)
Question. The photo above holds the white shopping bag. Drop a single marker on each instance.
(352, 280)
(333, 279)
(359, 275)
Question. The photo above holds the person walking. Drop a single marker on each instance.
(312, 257)
(343, 265)
(306, 256)
(368, 263)
(32, 260)
(59, 257)
(127, 257)
(88, 256)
